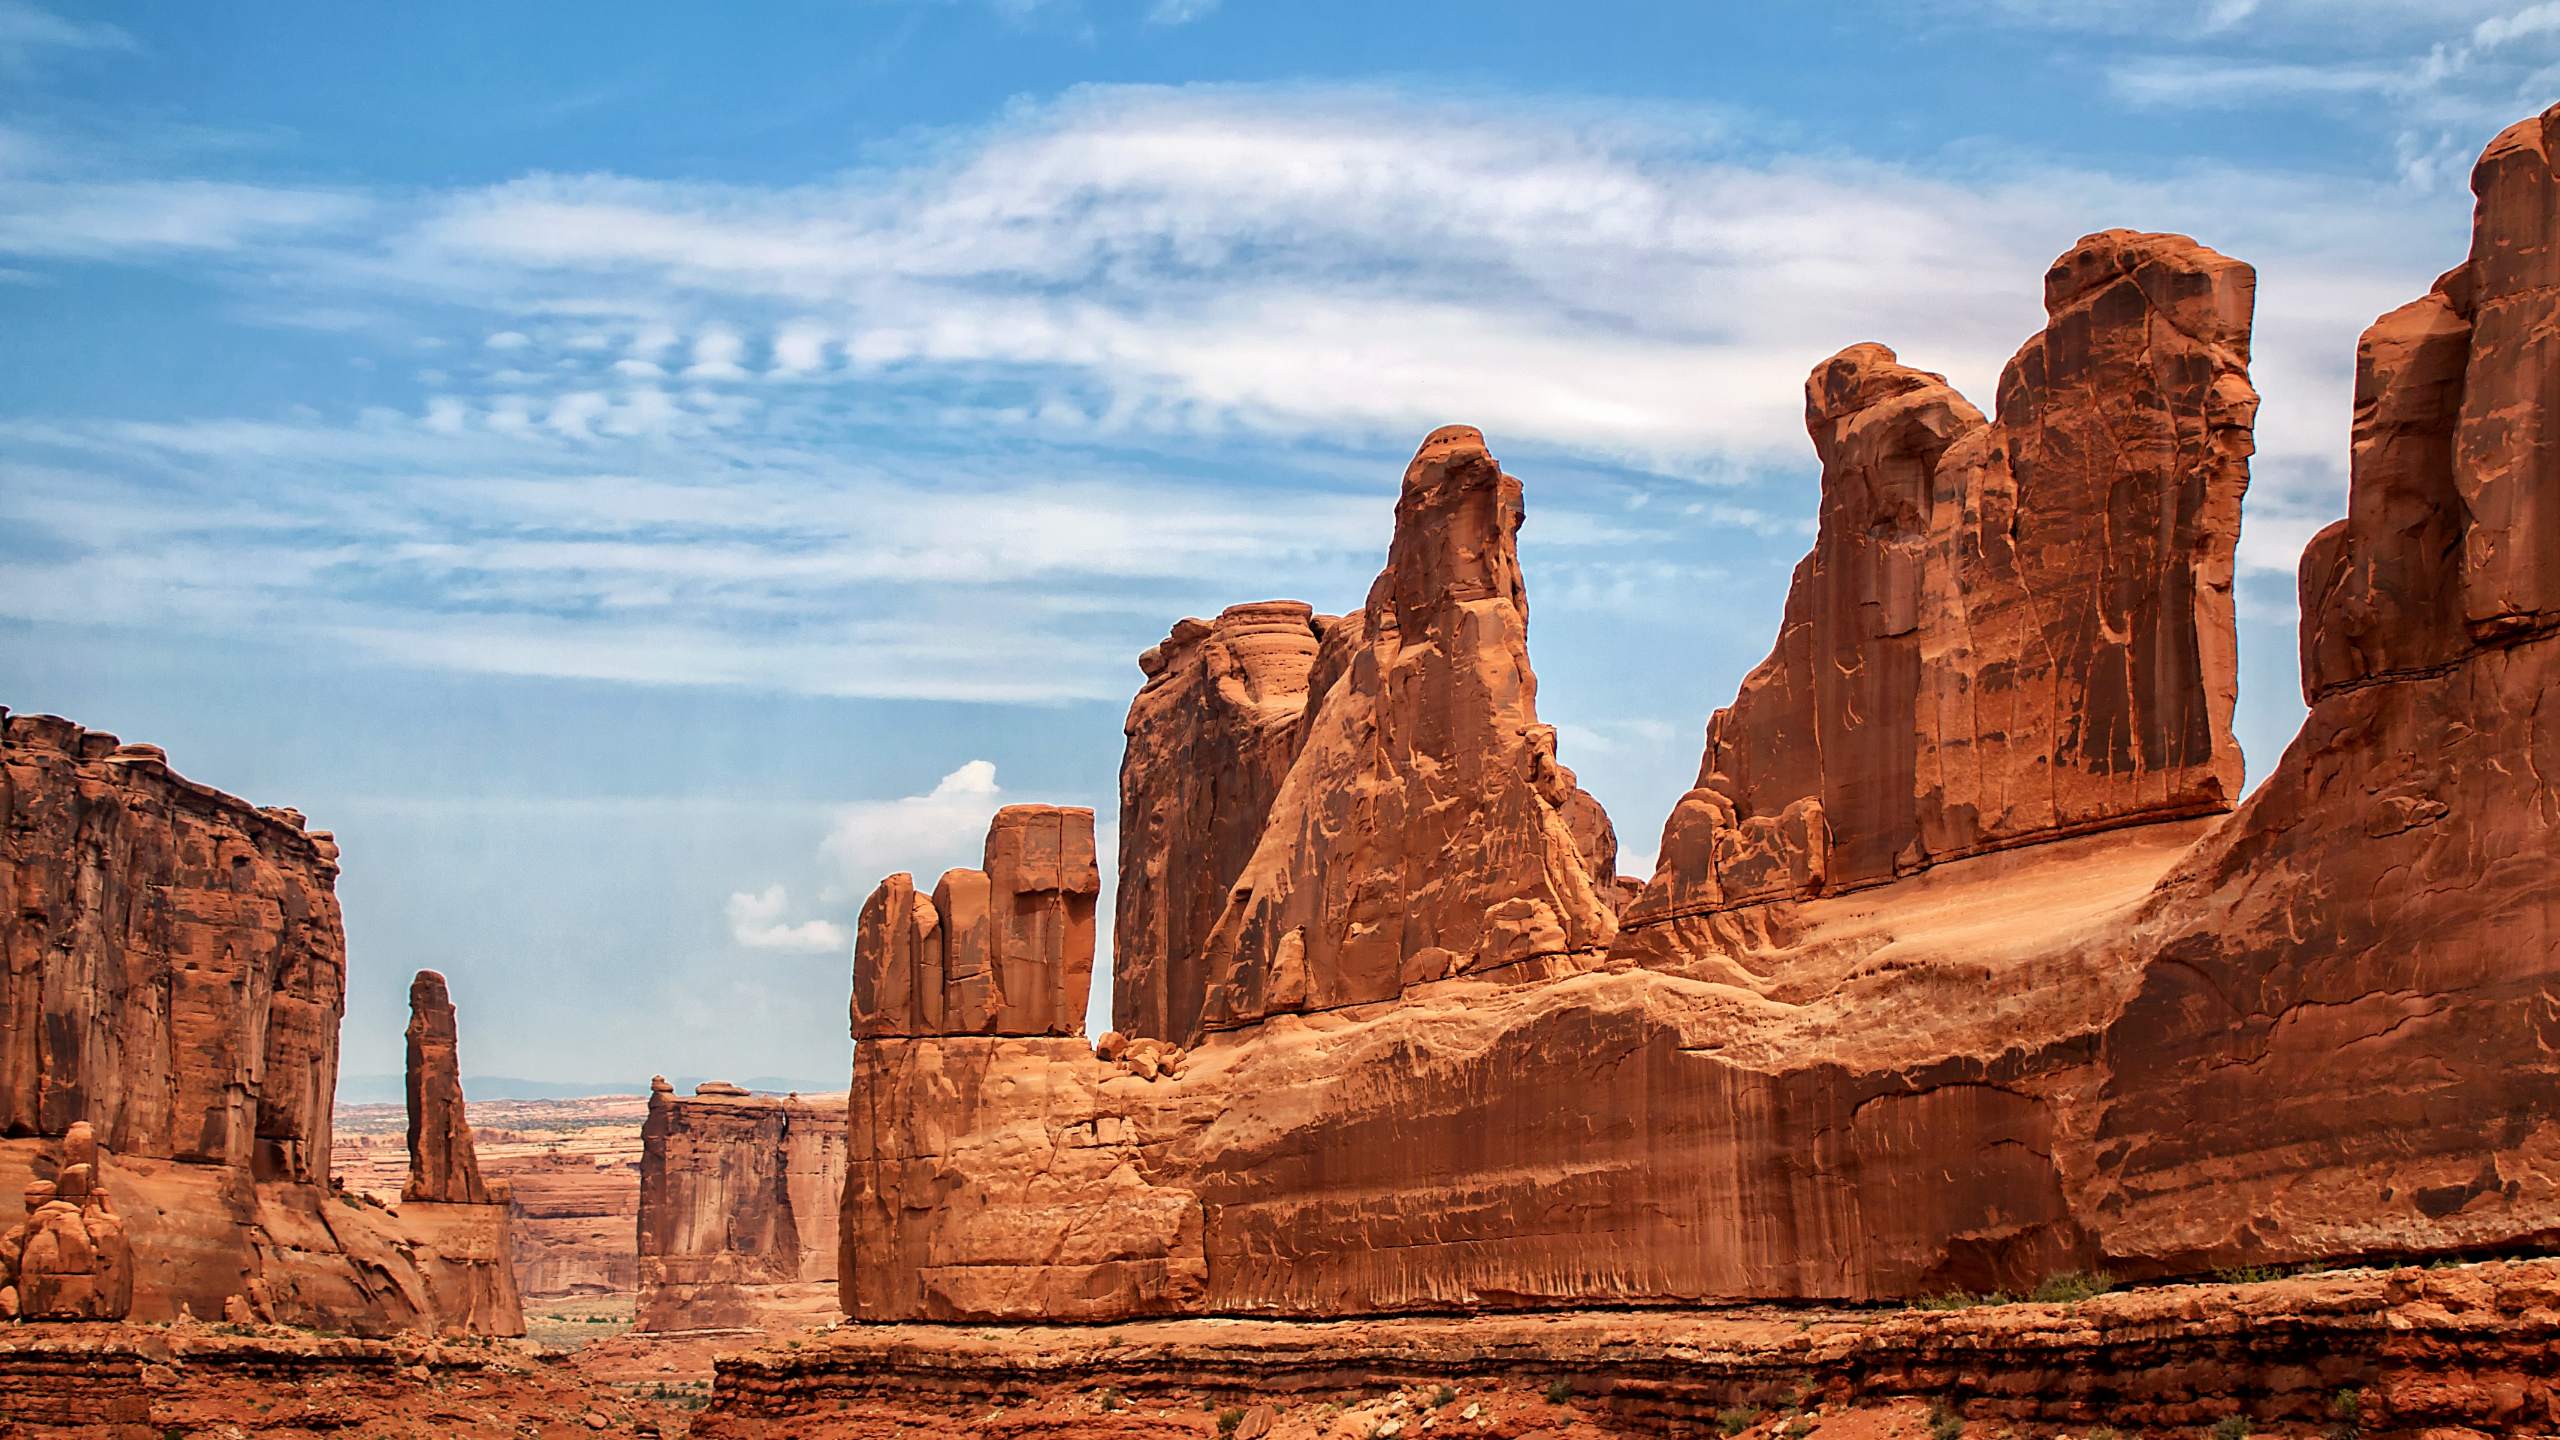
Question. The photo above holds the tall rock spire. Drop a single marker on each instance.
(442, 1163)
(1425, 828)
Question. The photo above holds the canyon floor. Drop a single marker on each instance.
(2443, 1352)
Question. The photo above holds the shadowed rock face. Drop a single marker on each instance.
(175, 976)
(1002, 950)
(2007, 630)
(2015, 994)
(739, 1196)
(1423, 828)
(1210, 738)
(442, 1164)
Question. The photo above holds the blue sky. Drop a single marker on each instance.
(638, 474)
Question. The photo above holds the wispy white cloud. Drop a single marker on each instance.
(756, 922)
(141, 218)
(657, 454)
(25, 27)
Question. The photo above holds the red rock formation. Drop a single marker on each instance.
(1003, 950)
(2006, 631)
(175, 975)
(2370, 1352)
(2319, 1026)
(1210, 737)
(1423, 828)
(442, 1165)
(739, 1197)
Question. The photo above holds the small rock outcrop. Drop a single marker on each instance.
(1425, 828)
(70, 1259)
(442, 1164)
(1210, 737)
(1006, 949)
(739, 1195)
(2008, 630)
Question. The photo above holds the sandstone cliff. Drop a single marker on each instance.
(175, 976)
(2007, 630)
(739, 1197)
(1957, 975)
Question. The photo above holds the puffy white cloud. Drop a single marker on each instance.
(508, 340)
(756, 921)
(922, 834)
(716, 352)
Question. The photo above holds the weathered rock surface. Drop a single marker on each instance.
(442, 1164)
(70, 1259)
(1425, 826)
(2007, 630)
(739, 1199)
(175, 976)
(1210, 738)
(1002, 950)
(2079, 1019)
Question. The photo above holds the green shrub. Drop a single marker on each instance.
(1738, 1418)
(1945, 1423)
(1229, 1419)
(1798, 1428)
(2231, 1427)
(1963, 1300)
(2074, 1286)
(2250, 1274)
(1559, 1391)
(1445, 1395)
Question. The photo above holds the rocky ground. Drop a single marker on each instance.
(2443, 1353)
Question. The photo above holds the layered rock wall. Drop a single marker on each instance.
(739, 1199)
(175, 976)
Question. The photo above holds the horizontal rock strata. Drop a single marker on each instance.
(2475, 1348)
